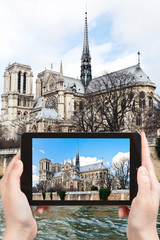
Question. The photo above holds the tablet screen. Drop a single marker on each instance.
(81, 169)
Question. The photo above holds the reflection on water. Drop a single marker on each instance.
(79, 222)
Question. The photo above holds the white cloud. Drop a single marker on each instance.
(121, 157)
(42, 151)
(34, 169)
(88, 160)
(108, 164)
(35, 179)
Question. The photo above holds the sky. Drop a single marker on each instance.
(41, 32)
(90, 150)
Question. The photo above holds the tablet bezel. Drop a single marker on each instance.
(26, 157)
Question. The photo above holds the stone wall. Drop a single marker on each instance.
(87, 195)
(6, 156)
(156, 161)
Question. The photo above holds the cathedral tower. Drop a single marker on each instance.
(86, 71)
(17, 98)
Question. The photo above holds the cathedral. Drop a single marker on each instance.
(72, 176)
(57, 98)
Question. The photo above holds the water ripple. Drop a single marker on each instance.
(79, 223)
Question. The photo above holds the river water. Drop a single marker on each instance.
(79, 222)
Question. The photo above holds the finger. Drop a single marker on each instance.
(32, 212)
(13, 177)
(39, 210)
(47, 209)
(15, 158)
(146, 160)
(144, 186)
(123, 211)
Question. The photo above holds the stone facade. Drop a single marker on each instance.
(57, 99)
(69, 177)
(17, 98)
(156, 161)
(72, 176)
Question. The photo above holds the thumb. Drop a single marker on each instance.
(144, 185)
(13, 178)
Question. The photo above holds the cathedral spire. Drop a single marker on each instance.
(77, 157)
(86, 73)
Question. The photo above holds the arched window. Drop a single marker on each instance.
(24, 102)
(24, 82)
(49, 129)
(150, 102)
(81, 105)
(19, 114)
(19, 81)
(34, 129)
(18, 102)
(142, 101)
(25, 114)
(132, 100)
(139, 120)
(130, 96)
(75, 105)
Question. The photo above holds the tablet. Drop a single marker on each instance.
(80, 168)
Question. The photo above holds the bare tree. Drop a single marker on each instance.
(121, 170)
(151, 121)
(109, 102)
(87, 117)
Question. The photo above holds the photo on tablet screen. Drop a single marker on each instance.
(81, 169)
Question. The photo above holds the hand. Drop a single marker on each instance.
(144, 208)
(20, 221)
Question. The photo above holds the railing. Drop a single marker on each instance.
(11, 151)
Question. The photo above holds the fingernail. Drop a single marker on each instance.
(120, 212)
(143, 171)
(40, 210)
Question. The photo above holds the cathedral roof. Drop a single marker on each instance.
(136, 71)
(38, 104)
(91, 167)
(75, 177)
(73, 83)
(47, 113)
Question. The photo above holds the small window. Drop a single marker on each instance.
(150, 102)
(81, 105)
(24, 102)
(139, 120)
(142, 101)
(24, 82)
(19, 82)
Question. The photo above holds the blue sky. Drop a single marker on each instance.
(38, 33)
(58, 150)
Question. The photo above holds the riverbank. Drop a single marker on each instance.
(85, 195)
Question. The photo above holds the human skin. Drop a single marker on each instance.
(142, 216)
(19, 217)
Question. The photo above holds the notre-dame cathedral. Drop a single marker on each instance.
(73, 176)
(57, 96)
